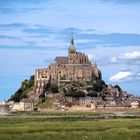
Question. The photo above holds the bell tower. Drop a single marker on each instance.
(72, 52)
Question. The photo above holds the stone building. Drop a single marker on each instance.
(28, 104)
(25, 104)
(75, 66)
(135, 104)
(4, 108)
(90, 101)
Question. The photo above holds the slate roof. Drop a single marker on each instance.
(59, 58)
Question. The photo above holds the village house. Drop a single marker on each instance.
(82, 101)
(135, 104)
(28, 104)
(89, 101)
(97, 99)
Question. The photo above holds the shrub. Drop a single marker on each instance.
(54, 88)
(75, 94)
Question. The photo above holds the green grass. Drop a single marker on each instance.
(68, 128)
(60, 113)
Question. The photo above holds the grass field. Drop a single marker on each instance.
(68, 128)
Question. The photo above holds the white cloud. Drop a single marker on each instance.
(121, 76)
(126, 57)
(138, 74)
(130, 56)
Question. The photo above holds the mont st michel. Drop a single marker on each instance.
(69, 91)
(69, 70)
(71, 83)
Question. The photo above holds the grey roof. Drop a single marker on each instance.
(61, 58)
(82, 98)
(79, 53)
(88, 98)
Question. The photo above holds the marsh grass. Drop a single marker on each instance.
(66, 128)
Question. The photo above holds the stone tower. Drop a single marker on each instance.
(72, 52)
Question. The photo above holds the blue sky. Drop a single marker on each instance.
(33, 32)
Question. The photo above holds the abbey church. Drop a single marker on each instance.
(76, 66)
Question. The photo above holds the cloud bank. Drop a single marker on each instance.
(127, 57)
(131, 56)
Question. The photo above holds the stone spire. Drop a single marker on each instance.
(72, 47)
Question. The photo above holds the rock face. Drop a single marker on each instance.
(76, 66)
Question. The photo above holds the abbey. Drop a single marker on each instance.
(75, 66)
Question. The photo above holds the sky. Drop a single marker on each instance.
(33, 32)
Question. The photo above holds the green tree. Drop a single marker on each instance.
(78, 94)
(98, 85)
(21, 93)
(75, 94)
(54, 88)
(118, 87)
(93, 94)
(31, 81)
